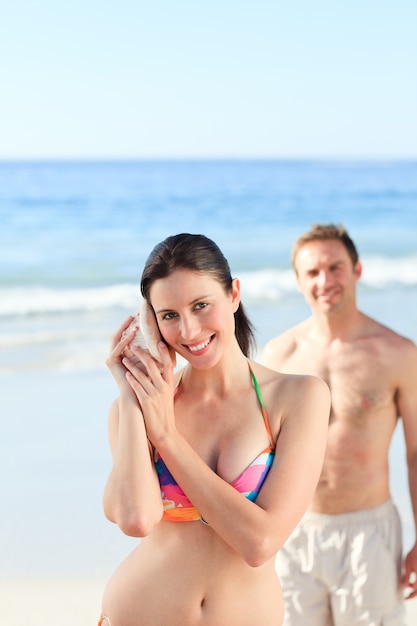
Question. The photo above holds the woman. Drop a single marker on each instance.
(214, 466)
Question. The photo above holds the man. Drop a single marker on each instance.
(342, 565)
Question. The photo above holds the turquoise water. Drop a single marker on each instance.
(74, 237)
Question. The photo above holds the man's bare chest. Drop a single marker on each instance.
(360, 377)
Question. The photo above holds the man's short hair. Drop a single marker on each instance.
(323, 232)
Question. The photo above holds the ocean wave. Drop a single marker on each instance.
(378, 272)
(35, 300)
(381, 272)
(268, 284)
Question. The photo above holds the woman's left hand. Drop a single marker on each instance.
(154, 389)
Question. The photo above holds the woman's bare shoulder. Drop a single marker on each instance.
(285, 392)
(269, 376)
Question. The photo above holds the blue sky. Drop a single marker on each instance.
(224, 78)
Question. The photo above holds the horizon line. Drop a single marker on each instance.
(132, 159)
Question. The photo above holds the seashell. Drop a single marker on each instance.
(138, 339)
(150, 330)
(147, 332)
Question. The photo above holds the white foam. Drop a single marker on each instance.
(42, 300)
(380, 271)
(271, 284)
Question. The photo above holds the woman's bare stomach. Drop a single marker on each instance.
(185, 575)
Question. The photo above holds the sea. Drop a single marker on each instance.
(73, 240)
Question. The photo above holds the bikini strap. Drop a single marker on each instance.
(261, 404)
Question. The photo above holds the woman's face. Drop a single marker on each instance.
(195, 315)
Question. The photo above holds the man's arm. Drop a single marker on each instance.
(407, 407)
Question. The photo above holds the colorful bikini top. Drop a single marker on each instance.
(178, 508)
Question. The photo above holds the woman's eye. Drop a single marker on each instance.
(168, 316)
(200, 305)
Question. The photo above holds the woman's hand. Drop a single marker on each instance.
(132, 496)
(153, 386)
(119, 346)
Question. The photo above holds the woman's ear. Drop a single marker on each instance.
(235, 294)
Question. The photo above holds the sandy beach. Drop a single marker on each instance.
(66, 602)
(59, 602)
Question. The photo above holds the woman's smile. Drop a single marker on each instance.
(198, 346)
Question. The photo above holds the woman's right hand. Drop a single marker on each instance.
(119, 344)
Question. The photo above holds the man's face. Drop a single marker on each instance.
(326, 276)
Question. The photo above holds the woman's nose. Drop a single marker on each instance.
(190, 327)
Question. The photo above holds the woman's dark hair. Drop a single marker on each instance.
(198, 254)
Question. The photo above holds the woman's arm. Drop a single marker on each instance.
(132, 495)
(258, 530)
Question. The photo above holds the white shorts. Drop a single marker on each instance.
(344, 570)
